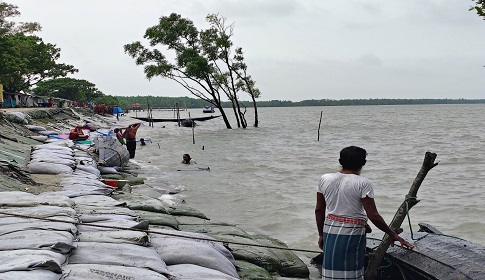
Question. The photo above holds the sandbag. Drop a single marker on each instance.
(249, 271)
(104, 225)
(4, 220)
(57, 241)
(44, 211)
(31, 259)
(91, 218)
(89, 168)
(108, 170)
(139, 202)
(41, 138)
(187, 251)
(194, 236)
(30, 275)
(215, 229)
(23, 199)
(256, 255)
(77, 193)
(35, 128)
(48, 132)
(117, 237)
(81, 209)
(128, 255)
(98, 271)
(97, 201)
(41, 154)
(68, 162)
(158, 218)
(48, 168)
(38, 225)
(188, 220)
(195, 272)
(186, 211)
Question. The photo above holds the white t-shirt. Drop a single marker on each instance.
(343, 194)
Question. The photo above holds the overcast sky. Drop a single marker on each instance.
(295, 49)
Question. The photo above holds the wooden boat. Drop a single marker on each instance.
(208, 109)
(435, 256)
(200, 119)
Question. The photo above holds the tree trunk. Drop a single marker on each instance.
(224, 117)
(376, 257)
(256, 119)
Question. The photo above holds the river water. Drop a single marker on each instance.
(264, 179)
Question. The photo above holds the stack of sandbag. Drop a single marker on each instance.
(52, 158)
(33, 248)
(110, 251)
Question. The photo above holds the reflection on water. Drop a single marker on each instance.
(264, 179)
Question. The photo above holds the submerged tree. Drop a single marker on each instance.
(202, 61)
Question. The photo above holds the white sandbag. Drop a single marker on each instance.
(181, 251)
(37, 274)
(81, 209)
(40, 138)
(69, 181)
(83, 174)
(4, 220)
(44, 211)
(91, 218)
(59, 145)
(108, 170)
(118, 254)
(48, 168)
(38, 225)
(195, 272)
(68, 162)
(23, 199)
(98, 271)
(141, 202)
(104, 225)
(116, 236)
(79, 153)
(40, 154)
(35, 127)
(97, 201)
(77, 193)
(57, 241)
(196, 237)
(89, 168)
(31, 259)
(86, 161)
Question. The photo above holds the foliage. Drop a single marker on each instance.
(107, 100)
(69, 88)
(479, 7)
(27, 60)
(9, 27)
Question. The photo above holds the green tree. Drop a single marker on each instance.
(27, 60)
(479, 7)
(69, 88)
(202, 61)
(10, 27)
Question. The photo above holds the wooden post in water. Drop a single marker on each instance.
(193, 130)
(178, 113)
(319, 123)
(376, 257)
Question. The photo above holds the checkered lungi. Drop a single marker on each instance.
(343, 250)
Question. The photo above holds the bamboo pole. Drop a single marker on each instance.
(376, 257)
(178, 113)
(193, 130)
(319, 123)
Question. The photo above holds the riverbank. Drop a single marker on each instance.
(244, 255)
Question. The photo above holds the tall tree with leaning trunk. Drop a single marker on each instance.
(200, 60)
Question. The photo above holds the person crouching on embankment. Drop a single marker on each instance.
(130, 136)
(348, 200)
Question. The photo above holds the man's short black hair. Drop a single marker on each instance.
(352, 158)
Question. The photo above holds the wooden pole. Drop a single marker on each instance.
(319, 123)
(376, 257)
(193, 130)
(178, 113)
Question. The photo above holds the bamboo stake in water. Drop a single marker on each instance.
(193, 130)
(321, 113)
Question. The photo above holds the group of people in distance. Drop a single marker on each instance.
(127, 136)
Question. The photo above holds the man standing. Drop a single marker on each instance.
(348, 200)
(130, 135)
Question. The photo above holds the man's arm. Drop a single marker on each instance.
(320, 217)
(378, 221)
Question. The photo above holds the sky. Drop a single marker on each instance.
(295, 49)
